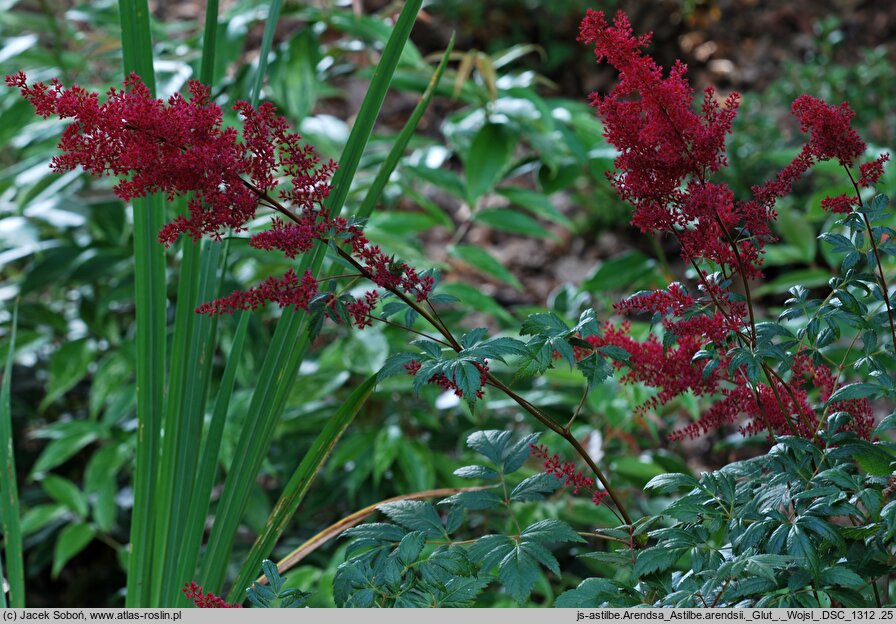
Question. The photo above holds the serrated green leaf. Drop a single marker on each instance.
(395, 365)
(477, 500)
(595, 369)
(416, 516)
(460, 592)
(496, 349)
(590, 593)
(475, 472)
(671, 482)
(548, 324)
(657, 559)
(550, 531)
(855, 391)
(518, 572)
(410, 547)
(517, 453)
(799, 545)
(843, 577)
(490, 550)
(376, 530)
(490, 444)
(535, 487)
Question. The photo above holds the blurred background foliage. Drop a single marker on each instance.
(503, 189)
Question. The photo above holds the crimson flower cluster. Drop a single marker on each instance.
(567, 471)
(180, 148)
(205, 600)
(668, 150)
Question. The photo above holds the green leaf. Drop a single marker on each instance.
(799, 545)
(476, 500)
(657, 559)
(416, 516)
(627, 271)
(843, 577)
(68, 366)
(512, 221)
(404, 137)
(490, 444)
(496, 349)
(483, 261)
(74, 437)
(517, 453)
(394, 365)
(548, 324)
(490, 550)
(477, 300)
(376, 530)
(796, 230)
(444, 179)
(590, 593)
(535, 487)
(39, 516)
(518, 572)
(410, 547)
(71, 540)
(536, 203)
(475, 472)
(301, 480)
(666, 483)
(487, 159)
(151, 311)
(855, 391)
(550, 531)
(64, 491)
(461, 591)
(10, 510)
(595, 369)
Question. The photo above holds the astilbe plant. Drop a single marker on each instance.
(712, 343)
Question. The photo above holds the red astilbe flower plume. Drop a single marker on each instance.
(204, 600)
(180, 148)
(567, 471)
(669, 150)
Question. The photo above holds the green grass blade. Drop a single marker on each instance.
(267, 40)
(9, 491)
(188, 389)
(150, 305)
(290, 339)
(298, 486)
(205, 473)
(404, 137)
(370, 107)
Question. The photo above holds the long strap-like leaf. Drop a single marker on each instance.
(149, 259)
(9, 491)
(298, 485)
(291, 336)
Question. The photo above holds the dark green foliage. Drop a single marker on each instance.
(800, 527)
(274, 595)
(419, 560)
